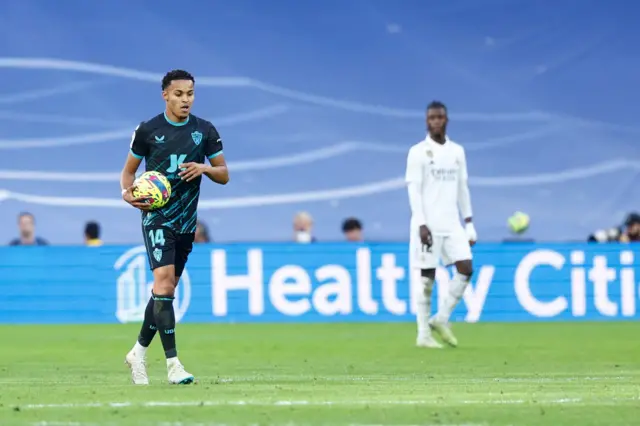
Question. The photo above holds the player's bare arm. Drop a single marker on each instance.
(216, 170)
(127, 177)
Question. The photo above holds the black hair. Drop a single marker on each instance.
(176, 75)
(351, 224)
(92, 230)
(437, 105)
(633, 218)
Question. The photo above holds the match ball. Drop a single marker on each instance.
(154, 187)
(518, 223)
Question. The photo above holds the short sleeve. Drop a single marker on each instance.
(139, 147)
(414, 167)
(214, 143)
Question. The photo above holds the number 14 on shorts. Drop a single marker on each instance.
(156, 237)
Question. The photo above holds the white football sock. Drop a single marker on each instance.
(456, 289)
(424, 306)
(140, 350)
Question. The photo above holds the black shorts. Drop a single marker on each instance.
(166, 247)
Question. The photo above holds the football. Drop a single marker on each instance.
(154, 187)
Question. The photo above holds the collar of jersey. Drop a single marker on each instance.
(429, 140)
(173, 123)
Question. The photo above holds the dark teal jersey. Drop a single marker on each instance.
(165, 145)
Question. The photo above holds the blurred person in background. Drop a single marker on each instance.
(632, 232)
(202, 233)
(628, 232)
(352, 230)
(92, 234)
(27, 230)
(610, 235)
(303, 228)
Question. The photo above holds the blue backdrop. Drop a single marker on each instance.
(318, 282)
(318, 102)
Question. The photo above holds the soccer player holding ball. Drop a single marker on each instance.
(174, 144)
(436, 176)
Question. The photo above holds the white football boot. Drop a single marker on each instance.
(427, 341)
(444, 330)
(137, 364)
(177, 374)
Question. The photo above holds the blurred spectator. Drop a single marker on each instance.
(629, 232)
(352, 230)
(611, 235)
(202, 233)
(632, 232)
(92, 234)
(303, 228)
(27, 230)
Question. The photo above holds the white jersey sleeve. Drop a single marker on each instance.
(414, 177)
(464, 196)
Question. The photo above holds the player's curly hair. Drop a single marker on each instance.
(437, 105)
(176, 75)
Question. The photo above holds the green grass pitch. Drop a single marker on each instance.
(320, 374)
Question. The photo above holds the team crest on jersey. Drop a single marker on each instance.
(429, 153)
(157, 254)
(197, 137)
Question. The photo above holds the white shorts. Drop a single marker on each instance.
(450, 249)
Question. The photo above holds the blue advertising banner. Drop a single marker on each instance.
(318, 283)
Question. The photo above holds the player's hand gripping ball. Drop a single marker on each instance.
(154, 187)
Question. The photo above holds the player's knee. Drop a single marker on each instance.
(163, 289)
(465, 267)
(428, 273)
(164, 281)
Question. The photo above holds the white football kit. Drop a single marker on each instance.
(437, 176)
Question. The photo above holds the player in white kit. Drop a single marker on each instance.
(439, 194)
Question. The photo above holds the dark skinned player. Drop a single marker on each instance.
(436, 177)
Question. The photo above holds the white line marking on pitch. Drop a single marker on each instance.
(57, 423)
(126, 404)
(368, 379)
